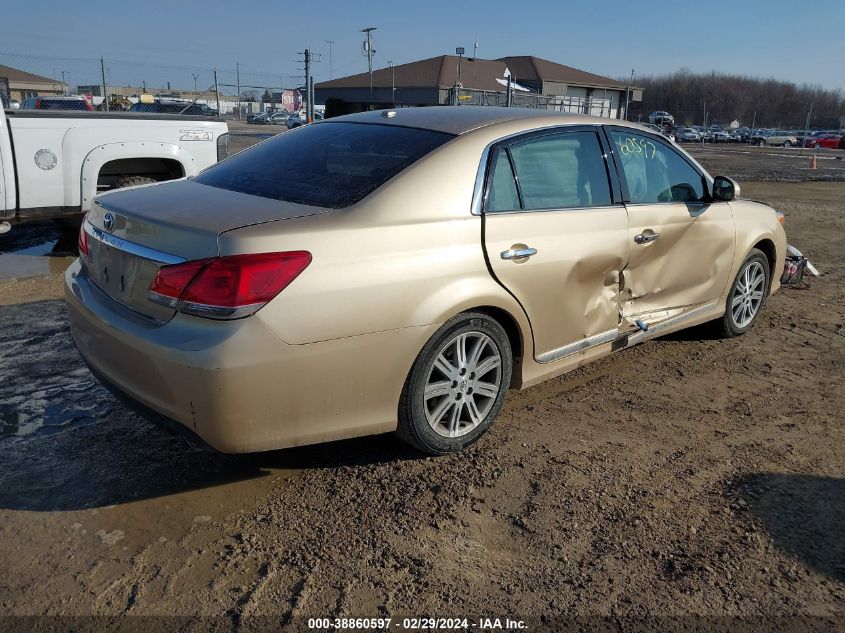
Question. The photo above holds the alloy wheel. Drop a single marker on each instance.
(748, 294)
(462, 384)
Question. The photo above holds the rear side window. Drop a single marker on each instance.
(331, 165)
(654, 172)
(561, 171)
(502, 195)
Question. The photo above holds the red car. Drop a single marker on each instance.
(827, 141)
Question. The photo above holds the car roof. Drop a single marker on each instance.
(462, 119)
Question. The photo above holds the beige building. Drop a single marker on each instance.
(23, 84)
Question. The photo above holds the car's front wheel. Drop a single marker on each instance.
(747, 294)
(457, 385)
(787, 144)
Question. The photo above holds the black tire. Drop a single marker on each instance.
(727, 326)
(787, 144)
(413, 425)
(131, 181)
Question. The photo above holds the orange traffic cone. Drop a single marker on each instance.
(813, 162)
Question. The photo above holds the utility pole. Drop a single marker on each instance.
(392, 83)
(311, 98)
(751, 132)
(475, 49)
(105, 96)
(64, 85)
(704, 134)
(217, 91)
(806, 128)
(509, 97)
(195, 76)
(369, 31)
(309, 105)
(331, 66)
(628, 93)
(238, 82)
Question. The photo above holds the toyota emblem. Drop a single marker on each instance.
(108, 221)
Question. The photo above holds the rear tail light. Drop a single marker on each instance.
(83, 239)
(226, 287)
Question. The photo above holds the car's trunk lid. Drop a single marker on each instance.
(132, 233)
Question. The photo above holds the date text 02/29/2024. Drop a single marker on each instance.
(415, 624)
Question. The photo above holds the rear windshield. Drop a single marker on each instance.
(329, 165)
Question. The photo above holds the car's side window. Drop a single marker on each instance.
(502, 194)
(654, 172)
(561, 171)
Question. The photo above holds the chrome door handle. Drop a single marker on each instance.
(641, 238)
(518, 253)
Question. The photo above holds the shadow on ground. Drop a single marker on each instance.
(804, 514)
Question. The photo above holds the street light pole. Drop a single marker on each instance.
(628, 94)
(331, 70)
(195, 76)
(369, 30)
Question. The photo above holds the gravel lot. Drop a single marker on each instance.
(686, 478)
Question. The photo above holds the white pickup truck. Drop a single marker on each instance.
(53, 162)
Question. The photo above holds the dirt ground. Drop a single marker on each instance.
(679, 482)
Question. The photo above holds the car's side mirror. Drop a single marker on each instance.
(725, 189)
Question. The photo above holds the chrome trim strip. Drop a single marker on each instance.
(611, 336)
(657, 328)
(131, 247)
(578, 346)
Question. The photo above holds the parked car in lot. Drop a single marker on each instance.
(56, 103)
(778, 137)
(660, 130)
(661, 117)
(278, 118)
(259, 118)
(297, 120)
(59, 161)
(720, 136)
(826, 141)
(688, 135)
(317, 286)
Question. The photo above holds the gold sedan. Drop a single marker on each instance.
(400, 271)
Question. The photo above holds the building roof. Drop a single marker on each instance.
(529, 68)
(478, 74)
(15, 75)
(462, 119)
(435, 72)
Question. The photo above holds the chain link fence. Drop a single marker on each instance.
(580, 105)
(239, 93)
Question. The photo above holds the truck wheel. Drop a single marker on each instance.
(131, 181)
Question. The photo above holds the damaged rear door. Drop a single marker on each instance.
(556, 237)
(682, 243)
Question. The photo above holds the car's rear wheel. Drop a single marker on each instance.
(747, 295)
(457, 385)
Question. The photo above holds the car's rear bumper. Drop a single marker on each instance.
(235, 384)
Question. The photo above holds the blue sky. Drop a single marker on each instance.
(797, 41)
